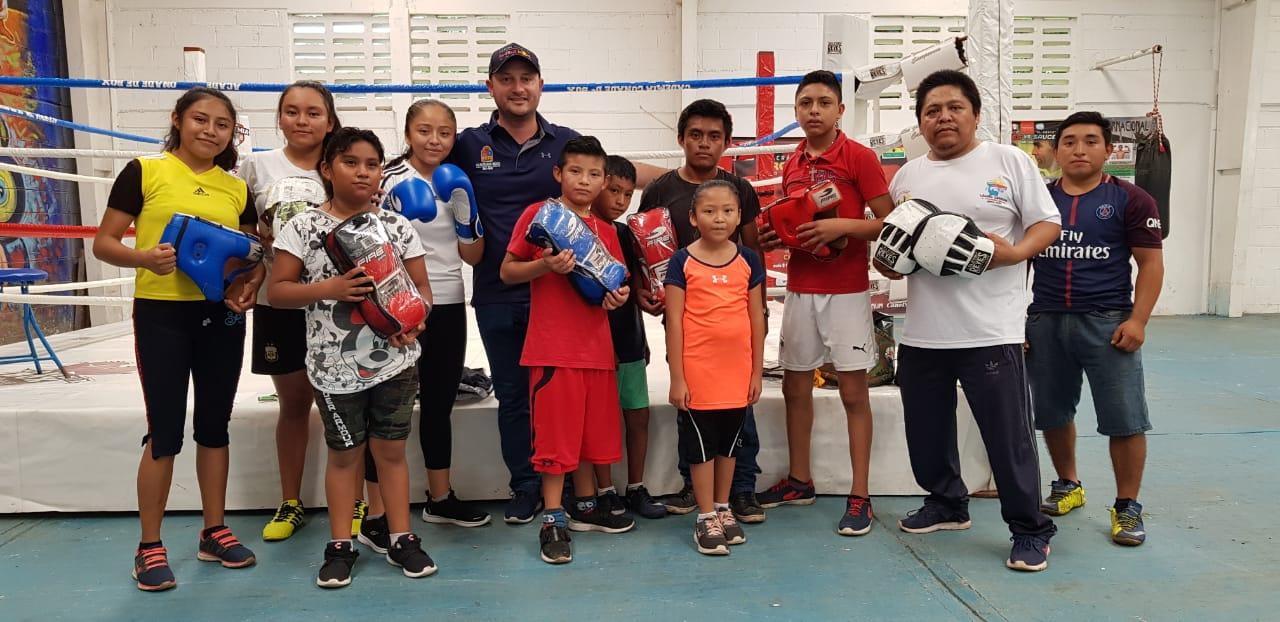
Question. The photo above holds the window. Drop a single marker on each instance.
(455, 49)
(344, 49)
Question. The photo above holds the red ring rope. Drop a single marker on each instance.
(28, 230)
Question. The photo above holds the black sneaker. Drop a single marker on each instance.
(453, 511)
(1029, 553)
(218, 544)
(598, 519)
(151, 569)
(407, 553)
(746, 508)
(681, 502)
(934, 517)
(642, 503)
(733, 533)
(375, 534)
(708, 535)
(339, 558)
(554, 544)
(523, 506)
(789, 491)
(612, 502)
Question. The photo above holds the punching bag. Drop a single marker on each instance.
(1152, 173)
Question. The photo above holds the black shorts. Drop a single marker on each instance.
(181, 342)
(705, 434)
(279, 340)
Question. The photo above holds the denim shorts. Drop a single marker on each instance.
(1066, 346)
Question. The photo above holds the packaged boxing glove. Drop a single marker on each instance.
(947, 244)
(595, 271)
(785, 216)
(287, 198)
(394, 306)
(655, 241)
(893, 246)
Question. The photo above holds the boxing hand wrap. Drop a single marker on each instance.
(785, 216)
(289, 197)
(451, 182)
(947, 244)
(414, 199)
(203, 247)
(655, 239)
(394, 306)
(595, 271)
(893, 246)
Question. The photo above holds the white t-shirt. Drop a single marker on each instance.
(343, 354)
(260, 170)
(439, 240)
(1000, 188)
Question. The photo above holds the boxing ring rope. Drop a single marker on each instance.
(38, 152)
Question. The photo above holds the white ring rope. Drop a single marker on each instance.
(34, 152)
(38, 299)
(39, 172)
(68, 287)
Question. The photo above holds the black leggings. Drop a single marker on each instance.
(444, 349)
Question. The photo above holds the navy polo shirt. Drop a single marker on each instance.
(508, 177)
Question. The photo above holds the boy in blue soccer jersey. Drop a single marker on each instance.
(1086, 317)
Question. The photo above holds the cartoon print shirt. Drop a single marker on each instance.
(343, 354)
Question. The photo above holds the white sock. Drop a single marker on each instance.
(722, 507)
(396, 537)
(375, 516)
(707, 516)
(346, 541)
(634, 486)
(440, 498)
(604, 491)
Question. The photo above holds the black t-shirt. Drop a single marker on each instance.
(625, 323)
(674, 193)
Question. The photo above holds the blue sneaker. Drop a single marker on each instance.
(523, 506)
(151, 569)
(934, 517)
(1126, 524)
(857, 517)
(1029, 553)
(642, 503)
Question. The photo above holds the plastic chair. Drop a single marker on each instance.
(24, 278)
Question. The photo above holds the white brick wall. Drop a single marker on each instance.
(250, 41)
(1262, 254)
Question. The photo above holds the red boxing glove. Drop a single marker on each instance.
(394, 306)
(786, 215)
(655, 244)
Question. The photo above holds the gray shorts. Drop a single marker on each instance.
(1062, 345)
(383, 411)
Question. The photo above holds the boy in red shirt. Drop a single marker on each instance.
(573, 390)
(715, 349)
(827, 312)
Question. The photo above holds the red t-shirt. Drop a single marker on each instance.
(856, 171)
(564, 331)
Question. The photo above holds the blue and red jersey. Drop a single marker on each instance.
(1088, 269)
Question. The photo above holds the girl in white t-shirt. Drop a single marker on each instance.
(429, 131)
(306, 116)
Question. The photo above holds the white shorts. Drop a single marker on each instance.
(821, 328)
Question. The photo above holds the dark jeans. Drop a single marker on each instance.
(746, 469)
(994, 379)
(502, 329)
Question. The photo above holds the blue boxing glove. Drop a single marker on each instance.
(595, 271)
(450, 181)
(414, 199)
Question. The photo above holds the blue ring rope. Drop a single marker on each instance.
(273, 87)
(80, 127)
(764, 140)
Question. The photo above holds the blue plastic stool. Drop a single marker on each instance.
(24, 278)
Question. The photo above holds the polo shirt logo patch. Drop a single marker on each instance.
(200, 192)
(486, 162)
(997, 192)
(1106, 211)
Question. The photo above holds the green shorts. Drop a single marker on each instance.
(633, 385)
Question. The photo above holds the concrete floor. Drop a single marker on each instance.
(1214, 389)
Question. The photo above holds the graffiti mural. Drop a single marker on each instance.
(32, 43)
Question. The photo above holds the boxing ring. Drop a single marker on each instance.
(73, 444)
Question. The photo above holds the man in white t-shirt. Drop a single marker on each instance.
(971, 330)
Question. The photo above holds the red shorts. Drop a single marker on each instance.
(575, 417)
